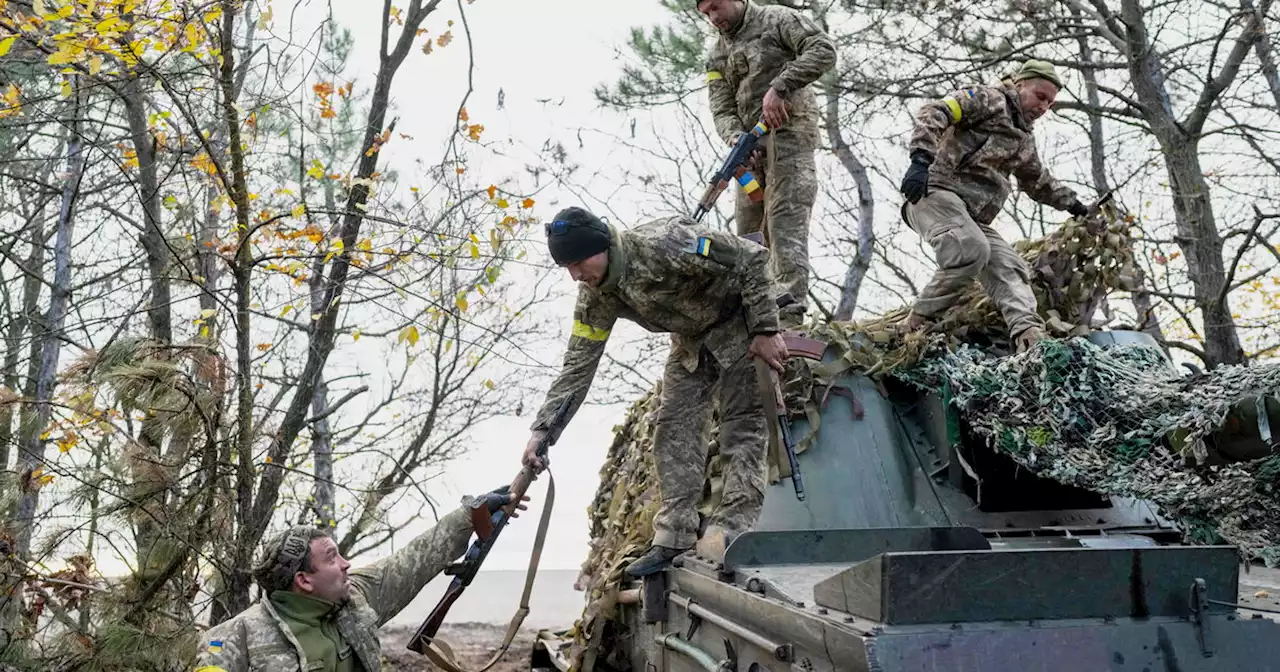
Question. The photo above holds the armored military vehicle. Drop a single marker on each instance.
(920, 549)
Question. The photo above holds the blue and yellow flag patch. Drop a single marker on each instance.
(700, 246)
(215, 645)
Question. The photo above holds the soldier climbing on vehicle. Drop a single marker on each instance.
(713, 292)
(963, 149)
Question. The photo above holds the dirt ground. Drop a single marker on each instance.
(473, 643)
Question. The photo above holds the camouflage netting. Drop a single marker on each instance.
(1122, 421)
(1074, 270)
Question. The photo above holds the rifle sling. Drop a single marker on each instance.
(769, 399)
(441, 655)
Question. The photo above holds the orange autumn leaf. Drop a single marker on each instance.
(463, 116)
(526, 203)
(493, 189)
(445, 39)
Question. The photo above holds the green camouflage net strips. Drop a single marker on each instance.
(1122, 421)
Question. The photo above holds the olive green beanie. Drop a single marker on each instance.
(1034, 69)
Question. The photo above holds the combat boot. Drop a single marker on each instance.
(657, 559)
(1028, 338)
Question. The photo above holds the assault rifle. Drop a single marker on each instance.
(487, 527)
(782, 444)
(734, 168)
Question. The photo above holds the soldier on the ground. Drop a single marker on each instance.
(963, 149)
(762, 66)
(713, 292)
(317, 616)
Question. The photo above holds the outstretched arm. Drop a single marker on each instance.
(593, 319)
(1036, 181)
(391, 583)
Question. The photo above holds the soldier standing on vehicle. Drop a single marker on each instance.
(713, 292)
(317, 617)
(762, 66)
(963, 149)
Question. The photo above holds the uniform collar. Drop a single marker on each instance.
(1015, 107)
(303, 608)
(617, 263)
(747, 17)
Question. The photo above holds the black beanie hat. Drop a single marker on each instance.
(576, 234)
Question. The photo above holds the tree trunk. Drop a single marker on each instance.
(48, 339)
(1142, 304)
(18, 329)
(1264, 52)
(323, 498)
(857, 271)
(1197, 231)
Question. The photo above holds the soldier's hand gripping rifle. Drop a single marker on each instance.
(782, 444)
(487, 527)
(734, 168)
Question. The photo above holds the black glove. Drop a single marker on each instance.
(1078, 209)
(915, 185)
(494, 500)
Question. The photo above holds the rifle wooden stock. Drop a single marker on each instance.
(487, 526)
(427, 631)
(801, 346)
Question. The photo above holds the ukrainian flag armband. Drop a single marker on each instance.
(953, 103)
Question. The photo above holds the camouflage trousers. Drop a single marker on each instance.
(680, 447)
(966, 250)
(789, 174)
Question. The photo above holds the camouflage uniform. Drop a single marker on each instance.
(779, 47)
(978, 137)
(712, 292)
(258, 638)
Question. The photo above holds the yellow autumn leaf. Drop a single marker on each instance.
(37, 6)
(286, 311)
(298, 210)
(6, 44)
(462, 302)
(355, 335)
(95, 64)
(489, 384)
(475, 251)
(502, 203)
(410, 334)
(65, 54)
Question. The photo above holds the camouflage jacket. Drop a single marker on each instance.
(706, 288)
(978, 137)
(773, 46)
(257, 639)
